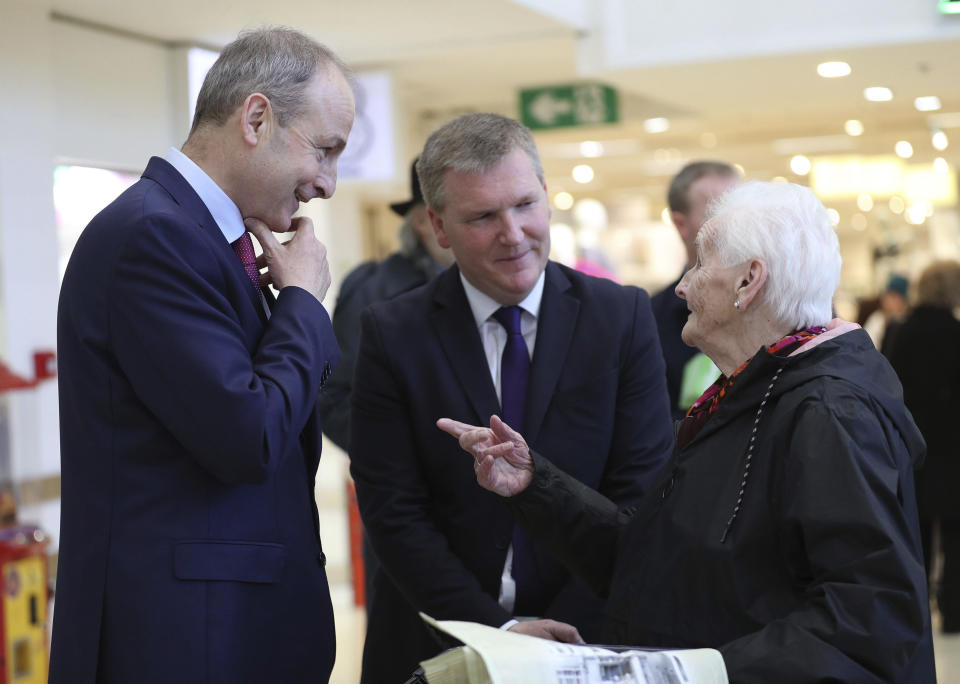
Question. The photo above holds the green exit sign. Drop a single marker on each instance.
(578, 104)
(949, 6)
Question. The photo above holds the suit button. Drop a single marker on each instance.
(322, 559)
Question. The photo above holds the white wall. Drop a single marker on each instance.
(113, 98)
(77, 96)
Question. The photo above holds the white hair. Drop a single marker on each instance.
(786, 227)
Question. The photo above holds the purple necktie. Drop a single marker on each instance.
(514, 368)
(243, 246)
(514, 376)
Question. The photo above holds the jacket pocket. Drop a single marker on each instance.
(237, 561)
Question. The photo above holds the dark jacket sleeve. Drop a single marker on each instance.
(334, 403)
(579, 525)
(237, 410)
(848, 538)
(640, 428)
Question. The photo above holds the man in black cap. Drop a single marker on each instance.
(419, 259)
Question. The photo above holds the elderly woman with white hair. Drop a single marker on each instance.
(783, 531)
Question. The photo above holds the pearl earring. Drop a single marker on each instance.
(736, 304)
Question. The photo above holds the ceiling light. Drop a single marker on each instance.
(916, 214)
(896, 204)
(878, 94)
(834, 217)
(941, 166)
(563, 201)
(864, 202)
(780, 180)
(833, 69)
(591, 148)
(939, 140)
(582, 173)
(853, 127)
(800, 165)
(666, 217)
(929, 103)
(903, 149)
(657, 125)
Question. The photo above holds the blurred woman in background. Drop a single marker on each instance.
(926, 356)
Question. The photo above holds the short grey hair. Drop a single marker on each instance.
(678, 194)
(472, 143)
(788, 228)
(277, 62)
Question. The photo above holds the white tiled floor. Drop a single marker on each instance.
(351, 626)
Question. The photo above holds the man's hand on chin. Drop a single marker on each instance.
(300, 261)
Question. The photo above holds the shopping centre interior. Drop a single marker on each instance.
(857, 99)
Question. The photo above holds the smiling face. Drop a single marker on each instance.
(298, 162)
(497, 223)
(710, 291)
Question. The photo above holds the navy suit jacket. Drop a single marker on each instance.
(189, 548)
(596, 406)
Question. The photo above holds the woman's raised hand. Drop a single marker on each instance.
(501, 458)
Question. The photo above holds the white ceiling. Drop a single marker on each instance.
(449, 55)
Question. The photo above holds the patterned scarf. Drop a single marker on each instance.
(708, 402)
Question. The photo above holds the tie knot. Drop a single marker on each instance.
(509, 318)
(243, 246)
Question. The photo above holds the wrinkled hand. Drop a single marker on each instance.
(301, 261)
(501, 457)
(549, 629)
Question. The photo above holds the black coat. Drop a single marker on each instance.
(820, 577)
(926, 356)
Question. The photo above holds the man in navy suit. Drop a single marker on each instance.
(594, 393)
(189, 546)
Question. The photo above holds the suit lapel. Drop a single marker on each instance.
(555, 326)
(452, 320)
(162, 172)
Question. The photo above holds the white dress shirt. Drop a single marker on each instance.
(223, 209)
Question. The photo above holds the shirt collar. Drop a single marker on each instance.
(483, 306)
(220, 206)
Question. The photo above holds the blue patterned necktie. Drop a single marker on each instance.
(514, 377)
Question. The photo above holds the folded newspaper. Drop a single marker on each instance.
(495, 656)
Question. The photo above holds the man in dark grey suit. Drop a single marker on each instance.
(593, 397)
